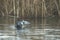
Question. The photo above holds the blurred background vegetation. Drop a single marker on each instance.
(30, 8)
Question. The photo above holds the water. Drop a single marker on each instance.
(39, 29)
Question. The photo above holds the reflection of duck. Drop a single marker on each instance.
(20, 24)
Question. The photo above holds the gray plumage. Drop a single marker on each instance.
(20, 24)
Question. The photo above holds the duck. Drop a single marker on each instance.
(21, 24)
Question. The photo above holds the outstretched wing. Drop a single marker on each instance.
(26, 22)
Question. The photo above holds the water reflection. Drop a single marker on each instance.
(39, 29)
(9, 38)
(53, 23)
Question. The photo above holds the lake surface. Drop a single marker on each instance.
(39, 29)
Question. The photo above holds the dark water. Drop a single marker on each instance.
(39, 29)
